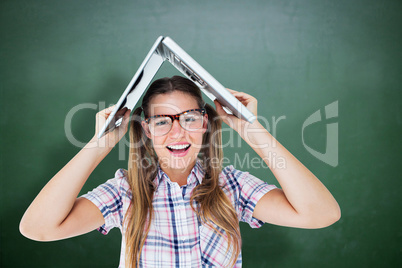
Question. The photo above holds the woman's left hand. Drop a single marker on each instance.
(236, 123)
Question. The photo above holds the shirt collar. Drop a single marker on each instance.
(196, 175)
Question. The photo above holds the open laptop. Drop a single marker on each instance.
(166, 49)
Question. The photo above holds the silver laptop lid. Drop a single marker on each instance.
(137, 86)
(206, 82)
(166, 49)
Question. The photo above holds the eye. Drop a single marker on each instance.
(162, 121)
(190, 119)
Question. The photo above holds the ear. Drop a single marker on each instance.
(146, 129)
(205, 124)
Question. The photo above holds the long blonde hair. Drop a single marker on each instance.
(214, 207)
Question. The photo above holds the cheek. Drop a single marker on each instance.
(157, 143)
(196, 140)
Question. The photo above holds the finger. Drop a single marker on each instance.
(239, 94)
(102, 116)
(122, 129)
(246, 99)
(108, 110)
(220, 111)
(218, 107)
(126, 117)
(242, 95)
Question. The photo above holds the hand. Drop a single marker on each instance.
(237, 124)
(110, 139)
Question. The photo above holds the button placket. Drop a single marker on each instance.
(180, 212)
(185, 231)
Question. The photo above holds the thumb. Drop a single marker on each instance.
(219, 109)
(126, 118)
(122, 129)
(222, 113)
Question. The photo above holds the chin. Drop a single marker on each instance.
(178, 163)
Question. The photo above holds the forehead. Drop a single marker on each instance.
(172, 103)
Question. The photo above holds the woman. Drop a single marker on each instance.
(175, 205)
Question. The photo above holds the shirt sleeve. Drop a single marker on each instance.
(108, 197)
(245, 190)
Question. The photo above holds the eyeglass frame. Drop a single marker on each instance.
(176, 116)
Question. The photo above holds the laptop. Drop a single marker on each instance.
(165, 49)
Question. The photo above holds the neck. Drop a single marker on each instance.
(178, 175)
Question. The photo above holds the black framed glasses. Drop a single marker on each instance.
(190, 120)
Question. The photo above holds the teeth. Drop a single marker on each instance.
(178, 147)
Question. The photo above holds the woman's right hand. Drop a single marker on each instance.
(110, 139)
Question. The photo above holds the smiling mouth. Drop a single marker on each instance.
(178, 148)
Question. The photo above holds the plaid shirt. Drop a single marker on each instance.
(176, 237)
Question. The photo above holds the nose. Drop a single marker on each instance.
(176, 129)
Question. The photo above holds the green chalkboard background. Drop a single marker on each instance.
(296, 57)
